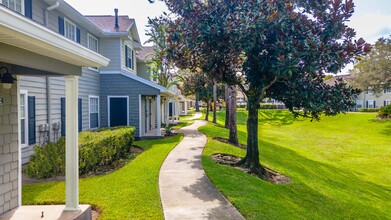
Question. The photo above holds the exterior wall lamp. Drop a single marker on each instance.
(6, 78)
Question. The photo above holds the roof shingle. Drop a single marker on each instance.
(107, 22)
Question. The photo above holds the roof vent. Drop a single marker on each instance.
(116, 18)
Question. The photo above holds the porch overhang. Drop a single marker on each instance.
(19, 31)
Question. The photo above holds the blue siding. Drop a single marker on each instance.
(119, 85)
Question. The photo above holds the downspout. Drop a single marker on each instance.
(48, 94)
(50, 8)
(49, 107)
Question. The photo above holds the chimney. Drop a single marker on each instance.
(116, 18)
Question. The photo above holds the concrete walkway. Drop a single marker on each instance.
(197, 115)
(185, 190)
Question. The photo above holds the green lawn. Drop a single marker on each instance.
(340, 167)
(131, 192)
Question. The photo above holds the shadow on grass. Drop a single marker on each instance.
(386, 123)
(318, 189)
(277, 117)
(334, 181)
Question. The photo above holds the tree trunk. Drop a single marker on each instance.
(214, 101)
(197, 107)
(207, 111)
(233, 131)
(251, 160)
(226, 99)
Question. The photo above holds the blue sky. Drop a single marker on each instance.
(371, 20)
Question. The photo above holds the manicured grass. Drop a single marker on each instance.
(131, 192)
(340, 167)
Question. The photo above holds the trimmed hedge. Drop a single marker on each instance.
(268, 106)
(100, 148)
(368, 109)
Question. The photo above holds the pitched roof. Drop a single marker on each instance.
(107, 22)
(333, 80)
(143, 54)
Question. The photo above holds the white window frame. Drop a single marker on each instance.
(387, 90)
(90, 36)
(373, 104)
(388, 102)
(89, 110)
(74, 28)
(130, 56)
(108, 108)
(21, 5)
(26, 117)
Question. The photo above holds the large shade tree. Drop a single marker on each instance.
(374, 71)
(269, 48)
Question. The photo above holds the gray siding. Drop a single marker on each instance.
(39, 11)
(89, 85)
(111, 48)
(379, 100)
(8, 150)
(35, 86)
(143, 71)
(119, 85)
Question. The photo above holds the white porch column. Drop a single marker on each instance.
(177, 108)
(158, 116)
(185, 107)
(71, 144)
(167, 111)
(173, 113)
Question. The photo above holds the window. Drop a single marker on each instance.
(370, 104)
(69, 30)
(387, 90)
(94, 112)
(359, 103)
(387, 102)
(16, 5)
(23, 118)
(129, 56)
(92, 43)
(370, 91)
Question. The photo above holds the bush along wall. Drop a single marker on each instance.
(368, 109)
(96, 149)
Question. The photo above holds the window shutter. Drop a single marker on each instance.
(61, 29)
(374, 104)
(126, 56)
(31, 119)
(132, 65)
(28, 8)
(62, 116)
(78, 35)
(80, 115)
(366, 104)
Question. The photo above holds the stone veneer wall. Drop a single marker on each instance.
(8, 149)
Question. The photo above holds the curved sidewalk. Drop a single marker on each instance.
(185, 190)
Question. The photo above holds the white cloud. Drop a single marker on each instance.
(371, 26)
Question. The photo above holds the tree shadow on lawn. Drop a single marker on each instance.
(386, 123)
(339, 182)
(277, 117)
(318, 189)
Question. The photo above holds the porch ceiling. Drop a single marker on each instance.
(19, 31)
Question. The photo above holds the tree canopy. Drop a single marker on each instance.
(271, 48)
(374, 70)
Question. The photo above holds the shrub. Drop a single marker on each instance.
(268, 106)
(241, 105)
(96, 149)
(168, 130)
(385, 112)
(368, 109)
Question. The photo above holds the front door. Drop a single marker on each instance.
(118, 107)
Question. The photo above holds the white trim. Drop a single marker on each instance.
(27, 34)
(89, 111)
(22, 6)
(387, 90)
(108, 108)
(139, 116)
(19, 149)
(74, 28)
(26, 117)
(388, 102)
(88, 42)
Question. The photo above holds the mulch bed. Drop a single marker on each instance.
(231, 160)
